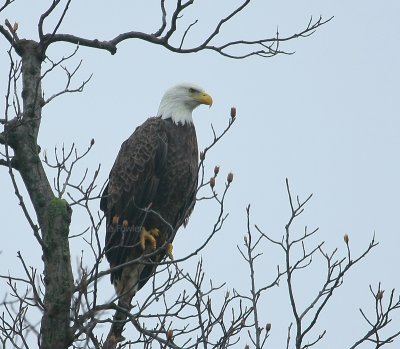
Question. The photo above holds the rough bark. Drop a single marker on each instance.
(55, 332)
(53, 214)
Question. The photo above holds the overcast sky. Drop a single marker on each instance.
(326, 117)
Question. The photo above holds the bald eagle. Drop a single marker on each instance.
(151, 190)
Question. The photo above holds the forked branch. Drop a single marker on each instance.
(299, 256)
(381, 320)
(167, 34)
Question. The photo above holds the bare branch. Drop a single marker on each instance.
(69, 75)
(268, 47)
(224, 20)
(163, 19)
(336, 269)
(6, 3)
(7, 35)
(250, 256)
(46, 14)
(383, 317)
(186, 32)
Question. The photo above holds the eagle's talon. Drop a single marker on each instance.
(155, 232)
(149, 235)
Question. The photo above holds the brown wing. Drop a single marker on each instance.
(133, 183)
(179, 185)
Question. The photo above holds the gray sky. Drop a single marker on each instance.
(325, 117)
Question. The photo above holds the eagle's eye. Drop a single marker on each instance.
(192, 90)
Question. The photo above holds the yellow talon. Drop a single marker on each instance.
(149, 235)
(169, 249)
(155, 232)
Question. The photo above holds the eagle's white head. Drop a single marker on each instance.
(179, 102)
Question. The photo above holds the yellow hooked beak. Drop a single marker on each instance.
(203, 98)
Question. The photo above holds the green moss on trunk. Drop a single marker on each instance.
(59, 280)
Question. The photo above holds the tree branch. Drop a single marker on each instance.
(6, 3)
(7, 35)
(163, 19)
(264, 51)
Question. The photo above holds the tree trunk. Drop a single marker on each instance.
(53, 214)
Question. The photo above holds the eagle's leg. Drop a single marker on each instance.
(150, 236)
(169, 250)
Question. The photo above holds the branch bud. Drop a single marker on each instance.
(212, 182)
(233, 112)
(202, 155)
(113, 340)
(246, 346)
(268, 327)
(115, 220)
(170, 335)
(346, 239)
(229, 178)
(92, 142)
(379, 295)
(83, 283)
(216, 170)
